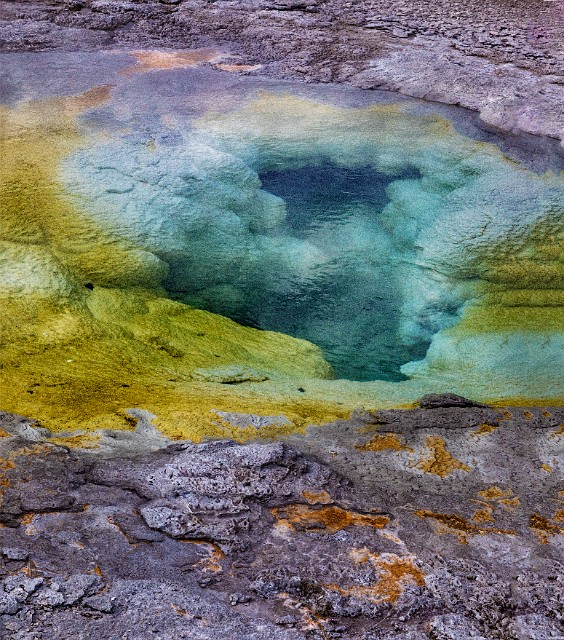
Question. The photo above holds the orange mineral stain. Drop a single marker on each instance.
(395, 573)
(439, 461)
(319, 497)
(484, 429)
(166, 60)
(384, 442)
(451, 523)
(543, 528)
(325, 520)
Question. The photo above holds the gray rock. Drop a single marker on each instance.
(291, 540)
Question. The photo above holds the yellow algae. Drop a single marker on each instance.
(494, 493)
(79, 441)
(484, 515)
(86, 330)
(496, 318)
(76, 357)
(558, 432)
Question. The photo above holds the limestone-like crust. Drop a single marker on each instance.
(316, 537)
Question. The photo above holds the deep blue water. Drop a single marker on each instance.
(351, 308)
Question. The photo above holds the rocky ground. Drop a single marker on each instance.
(443, 522)
(502, 58)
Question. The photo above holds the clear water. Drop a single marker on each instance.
(350, 307)
(350, 314)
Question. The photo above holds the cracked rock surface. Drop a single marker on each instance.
(443, 522)
(502, 58)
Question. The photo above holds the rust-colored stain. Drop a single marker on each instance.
(451, 523)
(92, 98)
(559, 431)
(528, 415)
(503, 497)
(179, 610)
(29, 569)
(8, 463)
(440, 462)
(117, 525)
(484, 515)
(5, 465)
(384, 442)
(484, 429)
(395, 573)
(546, 414)
(4, 434)
(166, 60)
(213, 562)
(27, 518)
(492, 498)
(317, 497)
(543, 528)
(546, 467)
(326, 520)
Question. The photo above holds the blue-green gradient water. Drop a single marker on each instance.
(365, 224)
(351, 314)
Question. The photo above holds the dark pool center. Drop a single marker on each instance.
(349, 308)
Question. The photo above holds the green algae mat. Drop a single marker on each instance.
(244, 257)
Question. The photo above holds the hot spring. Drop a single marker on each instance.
(349, 235)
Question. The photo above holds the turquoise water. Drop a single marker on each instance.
(351, 314)
(364, 228)
(351, 304)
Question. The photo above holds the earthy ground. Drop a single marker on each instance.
(444, 522)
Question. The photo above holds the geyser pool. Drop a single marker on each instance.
(413, 255)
